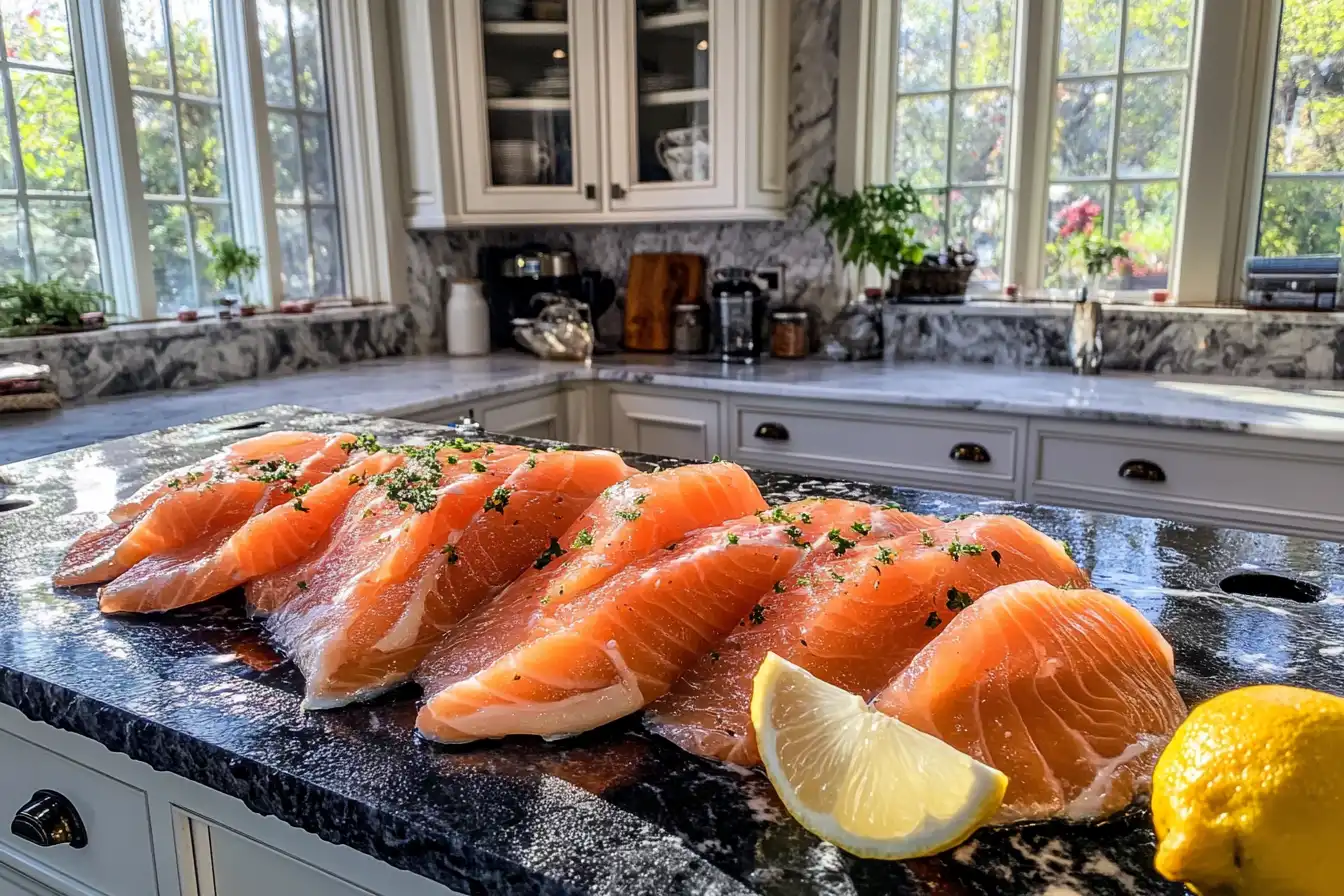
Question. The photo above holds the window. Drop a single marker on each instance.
(1302, 198)
(1121, 83)
(46, 209)
(179, 123)
(953, 106)
(299, 125)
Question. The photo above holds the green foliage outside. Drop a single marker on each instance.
(31, 308)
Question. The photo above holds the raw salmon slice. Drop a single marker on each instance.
(642, 514)
(197, 506)
(1069, 693)
(270, 540)
(375, 636)
(593, 657)
(371, 513)
(855, 619)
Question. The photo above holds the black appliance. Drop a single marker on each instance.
(739, 315)
(512, 275)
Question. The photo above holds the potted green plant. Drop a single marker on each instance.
(53, 306)
(871, 227)
(231, 263)
(1083, 243)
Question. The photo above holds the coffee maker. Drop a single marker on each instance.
(513, 275)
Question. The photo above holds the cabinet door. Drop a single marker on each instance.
(528, 97)
(672, 88)
(656, 424)
(541, 417)
(12, 883)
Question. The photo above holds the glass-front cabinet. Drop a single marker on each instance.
(529, 102)
(560, 111)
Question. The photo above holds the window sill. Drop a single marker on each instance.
(1063, 307)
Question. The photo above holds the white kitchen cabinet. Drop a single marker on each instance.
(12, 883)
(1226, 479)
(675, 425)
(599, 111)
(540, 416)
(922, 448)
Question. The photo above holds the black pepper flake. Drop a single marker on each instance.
(998, 558)
(551, 553)
(932, 621)
(757, 615)
(957, 600)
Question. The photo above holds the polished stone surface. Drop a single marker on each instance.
(410, 386)
(1170, 340)
(199, 694)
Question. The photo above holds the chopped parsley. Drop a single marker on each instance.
(368, 512)
(561, 446)
(303, 586)
(1068, 550)
(274, 471)
(757, 615)
(629, 515)
(932, 621)
(299, 505)
(411, 486)
(804, 581)
(551, 553)
(861, 528)
(1068, 586)
(998, 558)
(777, 514)
(836, 576)
(841, 543)
(358, 479)
(450, 551)
(732, 538)
(806, 518)
(583, 540)
(499, 499)
(452, 460)
(716, 459)
(545, 600)
(489, 450)
(955, 549)
(957, 600)
(477, 467)
(925, 538)
(886, 555)
(779, 587)
(365, 441)
(531, 460)
(174, 483)
(460, 444)
(891, 505)
(796, 536)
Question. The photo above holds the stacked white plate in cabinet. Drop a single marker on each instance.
(659, 81)
(516, 162)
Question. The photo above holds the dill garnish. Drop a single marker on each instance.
(925, 538)
(757, 615)
(886, 555)
(582, 540)
(841, 543)
(861, 528)
(499, 499)
(955, 549)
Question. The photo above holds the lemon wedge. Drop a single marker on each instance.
(873, 786)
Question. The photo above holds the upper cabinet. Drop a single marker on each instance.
(557, 111)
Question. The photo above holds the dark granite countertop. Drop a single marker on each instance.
(616, 811)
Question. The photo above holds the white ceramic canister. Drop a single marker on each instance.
(468, 320)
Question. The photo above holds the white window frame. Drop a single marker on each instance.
(359, 103)
(1222, 157)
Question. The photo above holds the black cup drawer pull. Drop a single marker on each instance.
(1144, 470)
(775, 432)
(49, 819)
(970, 452)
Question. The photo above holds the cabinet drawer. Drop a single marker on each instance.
(1239, 480)
(537, 417)
(975, 453)
(665, 424)
(119, 858)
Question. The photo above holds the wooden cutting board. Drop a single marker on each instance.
(658, 281)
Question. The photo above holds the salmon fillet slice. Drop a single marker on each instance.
(1067, 692)
(198, 505)
(855, 618)
(483, 536)
(265, 542)
(639, 515)
(606, 652)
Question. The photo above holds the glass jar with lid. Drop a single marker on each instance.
(788, 333)
(688, 328)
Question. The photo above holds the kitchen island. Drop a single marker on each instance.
(199, 695)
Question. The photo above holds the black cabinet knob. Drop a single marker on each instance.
(49, 819)
(617, 191)
(1143, 470)
(775, 432)
(590, 191)
(970, 452)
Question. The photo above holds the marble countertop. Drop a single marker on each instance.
(616, 811)
(1304, 409)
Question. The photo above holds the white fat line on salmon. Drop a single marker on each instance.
(1089, 802)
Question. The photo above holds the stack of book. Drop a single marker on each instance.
(27, 387)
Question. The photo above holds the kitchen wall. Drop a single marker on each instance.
(815, 48)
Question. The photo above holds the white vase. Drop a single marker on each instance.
(468, 320)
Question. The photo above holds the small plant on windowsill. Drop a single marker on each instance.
(871, 227)
(1082, 244)
(40, 309)
(230, 263)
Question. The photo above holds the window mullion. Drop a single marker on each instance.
(1029, 174)
(248, 142)
(113, 159)
(11, 106)
(298, 144)
(1113, 160)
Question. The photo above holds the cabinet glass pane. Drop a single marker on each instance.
(526, 50)
(672, 55)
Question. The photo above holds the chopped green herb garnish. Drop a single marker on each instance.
(886, 555)
(796, 536)
(477, 467)
(299, 506)
(780, 515)
(861, 528)
(804, 581)
(925, 538)
(174, 483)
(713, 656)
(563, 446)
(891, 505)
(583, 540)
(640, 499)
(841, 543)
(732, 538)
(836, 576)
(499, 499)
(303, 586)
(365, 441)
(932, 621)
(715, 459)
(1068, 585)
(275, 471)
(450, 551)
(489, 450)
(551, 553)
(957, 600)
(779, 587)
(358, 478)
(629, 515)
(452, 459)
(806, 518)
(531, 460)
(955, 549)
(545, 600)
(757, 615)
(368, 512)
(1068, 550)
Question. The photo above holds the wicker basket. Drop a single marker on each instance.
(944, 280)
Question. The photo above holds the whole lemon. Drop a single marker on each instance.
(1248, 798)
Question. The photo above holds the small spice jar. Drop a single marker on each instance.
(688, 329)
(788, 334)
